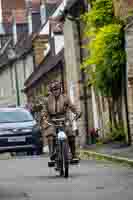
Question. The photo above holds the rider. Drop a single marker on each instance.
(57, 105)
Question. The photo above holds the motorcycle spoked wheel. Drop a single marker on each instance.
(64, 159)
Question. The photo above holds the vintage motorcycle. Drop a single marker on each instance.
(62, 157)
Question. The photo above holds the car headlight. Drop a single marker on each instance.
(4, 132)
(26, 130)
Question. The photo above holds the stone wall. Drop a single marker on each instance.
(129, 51)
(73, 73)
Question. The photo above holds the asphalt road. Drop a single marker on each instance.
(30, 179)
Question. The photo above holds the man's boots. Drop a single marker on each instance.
(51, 145)
(71, 140)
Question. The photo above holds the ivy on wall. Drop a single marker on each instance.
(106, 53)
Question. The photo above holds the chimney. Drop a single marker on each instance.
(43, 11)
(29, 15)
(14, 27)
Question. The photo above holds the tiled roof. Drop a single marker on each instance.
(13, 4)
(20, 16)
(23, 46)
(20, 10)
(3, 57)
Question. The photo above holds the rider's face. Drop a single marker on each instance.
(56, 92)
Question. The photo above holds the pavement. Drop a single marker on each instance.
(29, 178)
(115, 152)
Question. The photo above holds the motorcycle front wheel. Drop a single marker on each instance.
(64, 159)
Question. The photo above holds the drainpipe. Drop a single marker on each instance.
(83, 81)
(83, 74)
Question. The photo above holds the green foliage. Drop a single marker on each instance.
(108, 58)
(106, 54)
(100, 15)
(116, 134)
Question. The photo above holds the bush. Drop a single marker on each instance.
(108, 57)
(116, 134)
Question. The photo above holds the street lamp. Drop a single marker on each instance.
(12, 56)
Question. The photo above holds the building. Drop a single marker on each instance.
(20, 23)
(16, 65)
(75, 79)
(49, 60)
(62, 61)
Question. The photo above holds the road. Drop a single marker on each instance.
(30, 179)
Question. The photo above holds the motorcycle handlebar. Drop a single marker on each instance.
(63, 120)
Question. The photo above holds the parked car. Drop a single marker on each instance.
(19, 132)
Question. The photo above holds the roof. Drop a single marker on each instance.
(12, 4)
(20, 16)
(23, 46)
(49, 63)
(8, 6)
(20, 10)
(4, 57)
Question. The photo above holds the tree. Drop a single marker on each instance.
(106, 59)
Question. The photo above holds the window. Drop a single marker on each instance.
(12, 116)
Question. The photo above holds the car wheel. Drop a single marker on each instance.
(38, 151)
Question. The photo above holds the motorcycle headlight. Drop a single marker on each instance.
(67, 123)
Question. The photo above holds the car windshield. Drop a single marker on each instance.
(15, 116)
